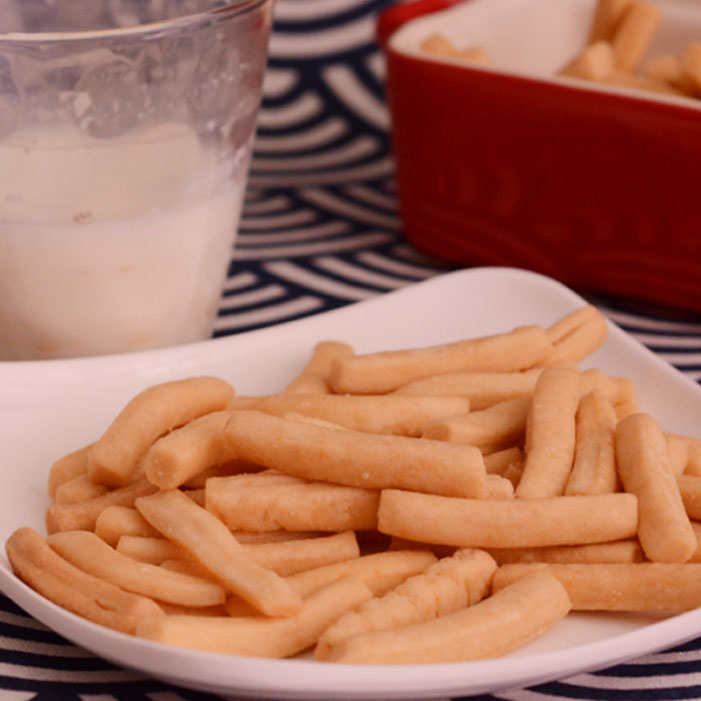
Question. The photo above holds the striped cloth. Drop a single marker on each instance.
(320, 231)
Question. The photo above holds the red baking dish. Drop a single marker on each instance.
(597, 186)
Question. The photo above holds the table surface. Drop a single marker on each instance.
(320, 231)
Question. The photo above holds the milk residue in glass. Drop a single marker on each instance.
(112, 244)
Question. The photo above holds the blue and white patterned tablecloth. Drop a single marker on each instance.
(319, 231)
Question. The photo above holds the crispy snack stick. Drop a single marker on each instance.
(380, 571)
(82, 516)
(209, 542)
(377, 373)
(314, 377)
(189, 450)
(595, 62)
(149, 415)
(507, 523)
(491, 628)
(618, 551)
(626, 402)
(635, 33)
(438, 45)
(576, 335)
(595, 378)
(117, 521)
(498, 462)
(643, 466)
(499, 488)
(550, 434)
(696, 555)
(690, 65)
(77, 489)
(392, 414)
(448, 585)
(292, 507)
(154, 550)
(677, 452)
(91, 554)
(594, 467)
(607, 18)
(482, 388)
(693, 463)
(321, 453)
(645, 586)
(690, 490)
(68, 467)
(495, 428)
(293, 556)
(664, 68)
(35, 563)
(258, 636)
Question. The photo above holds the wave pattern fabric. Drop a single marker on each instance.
(320, 230)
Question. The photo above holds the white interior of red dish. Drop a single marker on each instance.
(536, 38)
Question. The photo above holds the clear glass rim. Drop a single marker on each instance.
(233, 7)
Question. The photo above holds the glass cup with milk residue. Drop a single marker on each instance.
(126, 130)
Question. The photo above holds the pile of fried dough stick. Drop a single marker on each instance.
(621, 34)
(424, 505)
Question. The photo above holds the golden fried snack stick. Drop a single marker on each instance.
(149, 415)
(379, 571)
(576, 335)
(491, 628)
(482, 388)
(595, 62)
(314, 377)
(595, 378)
(645, 586)
(210, 542)
(635, 33)
(77, 489)
(498, 462)
(499, 488)
(258, 636)
(693, 463)
(117, 521)
(607, 18)
(68, 467)
(293, 556)
(643, 466)
(696, 555)
(507, 523)
(690, 490)
(292, 507)
(151, 549)
(156, 550)
(377, 373)
(35, 563)
(690, 65)
(594, 467)
(677, 452)
(187, 451)
(392, 414)
(448, 585)
(91, 554)
(495, 428)
(626, 402)
(356, 459)
(618, 551)
(83, 516)
(550, 434)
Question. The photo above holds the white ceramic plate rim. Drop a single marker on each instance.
(448, 307)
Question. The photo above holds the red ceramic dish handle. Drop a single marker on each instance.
(394, 17)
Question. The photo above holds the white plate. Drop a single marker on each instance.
(50, 408)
